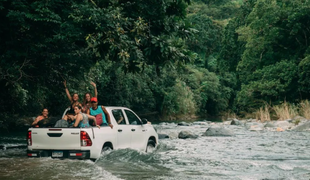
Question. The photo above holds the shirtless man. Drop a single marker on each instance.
(44, 115)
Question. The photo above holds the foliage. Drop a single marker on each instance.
(276, 37)
(172, 57)
(216, 9)
(178, 100)
(138, 33)
(44, 43)
(271, 83)
(40, 46)
(206, 41)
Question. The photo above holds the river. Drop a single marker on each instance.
(249, 155)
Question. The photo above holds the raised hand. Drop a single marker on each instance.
(93, 84)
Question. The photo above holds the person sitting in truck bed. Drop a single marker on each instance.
(43, 116)
(100, 112)
(81, 119)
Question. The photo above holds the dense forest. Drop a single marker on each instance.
(177, 58)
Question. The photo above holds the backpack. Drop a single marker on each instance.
(44, 123)
(61, 123)
(99, 120)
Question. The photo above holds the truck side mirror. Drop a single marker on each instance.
(144, 121)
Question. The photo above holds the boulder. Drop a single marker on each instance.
(162, 136)
(299, 118)
(283, 124)
(302, 127)
(251, 120)
(173, 135)
(218, 131)
(269, 124)
(200, 123)
(227, 122)
(183, 124)
(186, 135)
(254, 126)
(236, 122)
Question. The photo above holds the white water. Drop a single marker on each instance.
(249, 155)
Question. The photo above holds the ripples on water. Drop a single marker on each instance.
(249, 155)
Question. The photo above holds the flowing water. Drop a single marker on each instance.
(249, 155)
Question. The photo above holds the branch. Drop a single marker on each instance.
(21, 72)
(305, 37)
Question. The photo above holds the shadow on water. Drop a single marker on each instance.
(131, 164)
(13, 144)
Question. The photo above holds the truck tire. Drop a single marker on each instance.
(107, 147)
(150, 146)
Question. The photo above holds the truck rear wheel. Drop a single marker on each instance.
(107, 147)
(150, 146)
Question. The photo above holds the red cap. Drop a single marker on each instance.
(93, 99)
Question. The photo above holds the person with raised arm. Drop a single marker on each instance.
(86, 101)
(74, 99)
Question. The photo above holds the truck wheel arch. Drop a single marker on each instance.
(151, 144)
(153, 139)
(106, 146)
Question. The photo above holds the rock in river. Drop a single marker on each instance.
(236, 122)
(162, 136)
(302, 127)
(187, 134)
(218, 131)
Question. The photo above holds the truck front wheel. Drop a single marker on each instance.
(150, 146)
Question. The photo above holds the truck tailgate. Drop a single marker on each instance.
(56, 138)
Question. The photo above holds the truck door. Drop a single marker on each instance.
(123, 130)
(138, 131)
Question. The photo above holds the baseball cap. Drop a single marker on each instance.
(93, 99)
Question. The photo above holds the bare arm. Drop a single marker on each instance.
(108, 116)
(95, 87)
(120, 120)
(78, 103)
(79, 117)
(36, 120)
(72, 117)
(93, 118)
(67, 91)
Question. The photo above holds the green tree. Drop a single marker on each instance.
(44, 42)
(276, 34)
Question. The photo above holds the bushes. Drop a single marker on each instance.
(179, 100)
(281, 111)
(304, 109)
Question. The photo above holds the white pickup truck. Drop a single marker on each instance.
(129, 131)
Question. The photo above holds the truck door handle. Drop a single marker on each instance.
(143, 130)
(133, 129)
(119, 130)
